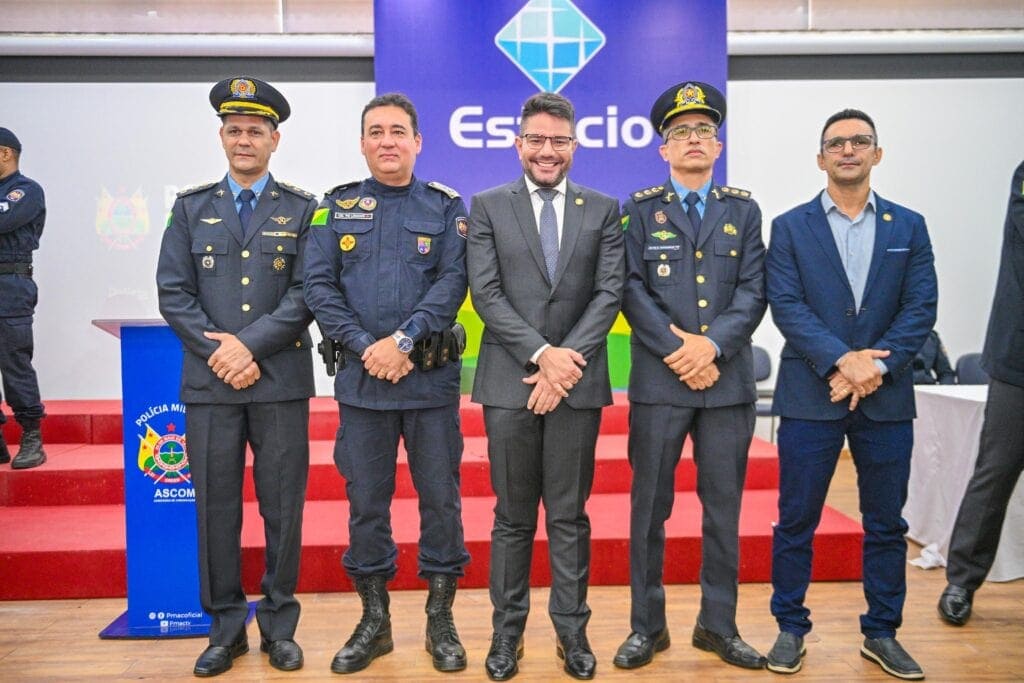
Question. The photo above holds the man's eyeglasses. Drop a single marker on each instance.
(837, 145)
(705, 131)
(559, 143)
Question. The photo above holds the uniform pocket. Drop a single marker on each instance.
(210, 255)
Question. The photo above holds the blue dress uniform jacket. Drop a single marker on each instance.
(380, 259)
(211, 278)
(22, 215)
(813, 306)
(709, 283)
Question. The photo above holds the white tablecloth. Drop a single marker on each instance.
(946, 434)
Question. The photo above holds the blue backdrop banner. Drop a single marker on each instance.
(468, 67)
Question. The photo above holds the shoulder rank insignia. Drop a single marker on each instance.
(452, 194)
(343, 186)
(647, 193)
(192, 189)
(294, 189)
(735, 192)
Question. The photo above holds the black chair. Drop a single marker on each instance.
(762, 371)
(968, 370)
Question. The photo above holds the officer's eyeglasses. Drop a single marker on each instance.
(559, 143)
(837, 145)
(704, 131)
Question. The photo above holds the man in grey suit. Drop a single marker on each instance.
(230, 286)
(972, 549)
(694, 294)
(545, 261)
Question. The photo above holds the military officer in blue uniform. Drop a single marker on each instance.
(230, 285)
(694, 295)
(22, 214)
(385, 276)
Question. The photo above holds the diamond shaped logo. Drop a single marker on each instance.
(550, 41)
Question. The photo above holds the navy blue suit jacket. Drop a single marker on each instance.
(813, 306)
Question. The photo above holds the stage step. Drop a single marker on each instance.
(99, 421)
(76, 551)
(83, 474)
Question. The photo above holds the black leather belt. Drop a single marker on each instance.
(15, 268)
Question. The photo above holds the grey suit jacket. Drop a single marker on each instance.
(522, 309)
(212, 278)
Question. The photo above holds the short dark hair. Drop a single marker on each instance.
(848, 114)
(391, 99)
(548, 103)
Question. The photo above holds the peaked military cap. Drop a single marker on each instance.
(685, 97)
(250, 97)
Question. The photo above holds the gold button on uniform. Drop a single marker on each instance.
(664, 257)
(703, 303)
(698, 254)
(298, 344)
(245, 280)
(245, 253)
(246, 307)
(732, 252)
(209, 247)
(281, 248)
(700, 279)
(703, 328)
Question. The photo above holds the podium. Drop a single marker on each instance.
(160, 508)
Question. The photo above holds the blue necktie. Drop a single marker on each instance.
(245, 212)
(691, 210)
(548, 230)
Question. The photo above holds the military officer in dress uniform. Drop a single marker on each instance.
(230, 285)
(694, 295)
(385, 276)
(22, 214)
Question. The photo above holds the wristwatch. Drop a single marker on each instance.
(403, 341)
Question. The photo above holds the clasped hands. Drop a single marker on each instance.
(694, 360)
(232, 361)
(857, 376)
(561, 368)
(383, 360)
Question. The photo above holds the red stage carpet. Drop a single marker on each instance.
(63, 534)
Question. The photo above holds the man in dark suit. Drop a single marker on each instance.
(979, 523)
(545, 265)
(694, 294)
(931, 364)
(230, 285)
(851, 285)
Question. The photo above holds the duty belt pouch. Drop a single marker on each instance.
(428, 353)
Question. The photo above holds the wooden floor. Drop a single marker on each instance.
(57, 641)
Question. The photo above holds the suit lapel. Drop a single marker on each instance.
(817, 225)
(522, 207)
(224, 205)
(883, 233)
(575, 208)
(714, 216)
(675, 213)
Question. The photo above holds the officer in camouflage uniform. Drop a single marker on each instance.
(385, 276)
(230, 285)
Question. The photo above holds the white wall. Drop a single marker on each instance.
(950, 146)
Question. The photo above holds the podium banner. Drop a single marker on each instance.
(468, 67)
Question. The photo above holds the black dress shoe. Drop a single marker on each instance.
(502, 661)
(731, 649)
(786, 656)
(580, 662)
(31, 453)
(890, 655)
(285, 655)
(5, 455)
(217, 659)
(955, 604)
(638, 650)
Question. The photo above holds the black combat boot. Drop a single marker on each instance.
(442, 639)
(372, 637)
(5, 455)
(31, 453)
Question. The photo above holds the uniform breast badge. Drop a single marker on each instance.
(346, 203)
(729, 229)
(423, 245)
(367, 203)
(279, 263)
(660, 217)
(208, 262)
(347, 243)
(664, 270)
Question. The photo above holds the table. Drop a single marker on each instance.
(946, 435)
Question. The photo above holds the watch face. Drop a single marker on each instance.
(405, 344)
